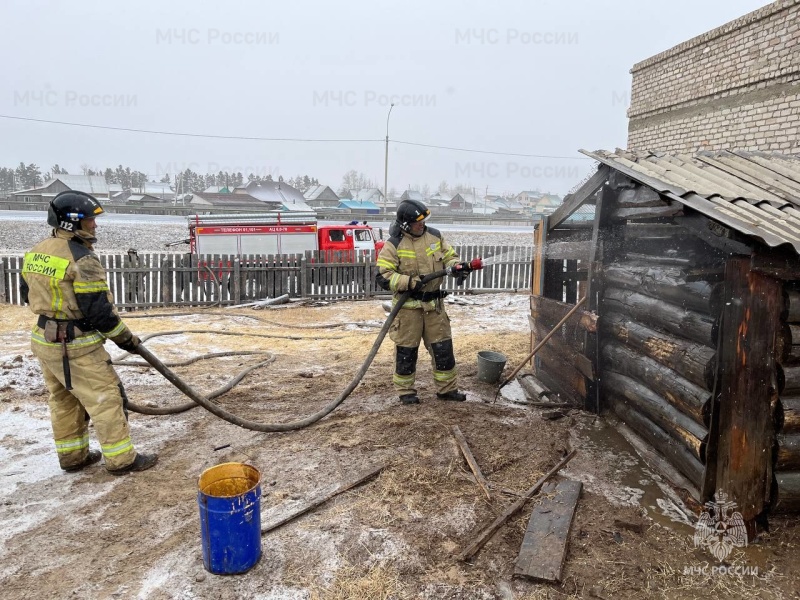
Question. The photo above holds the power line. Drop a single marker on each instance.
(489, 151)
(181, 134)
(268, 139)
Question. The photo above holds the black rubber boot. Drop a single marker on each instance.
(409, 399)
(92, 457)
(455, 396)
(142, 462)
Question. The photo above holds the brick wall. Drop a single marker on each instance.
(737, 86)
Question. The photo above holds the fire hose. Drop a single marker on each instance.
(217, 410)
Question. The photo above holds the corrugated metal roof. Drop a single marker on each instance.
(358, 204)
(367, 194)
(236, 200)
(91, 184)
(277, 191)
(314, 191)
(754, 193)
(412, 195)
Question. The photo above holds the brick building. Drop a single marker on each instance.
(736, 86)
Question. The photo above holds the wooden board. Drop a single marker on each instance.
(748, 382)
(573, 201)
(544, 546)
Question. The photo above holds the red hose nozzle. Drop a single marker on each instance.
(476, 263)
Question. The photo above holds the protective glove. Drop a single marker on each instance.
(459, 269)
(130, 344)
(415, 284)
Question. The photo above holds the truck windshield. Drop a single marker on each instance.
(363, 235)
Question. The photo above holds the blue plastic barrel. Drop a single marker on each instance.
(229, 497)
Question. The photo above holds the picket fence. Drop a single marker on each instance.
(139, 281)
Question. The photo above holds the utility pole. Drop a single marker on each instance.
(386, 162)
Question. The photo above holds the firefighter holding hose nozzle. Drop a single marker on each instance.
(65, 285)
(413, 251)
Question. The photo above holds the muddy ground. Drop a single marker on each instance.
(90, 535)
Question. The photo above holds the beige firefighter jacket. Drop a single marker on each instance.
(406, 257)
(64, 280)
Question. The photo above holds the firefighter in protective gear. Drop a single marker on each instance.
(65, 285)
(413, 251)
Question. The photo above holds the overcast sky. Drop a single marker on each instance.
(533, 77)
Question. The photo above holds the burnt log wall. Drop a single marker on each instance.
(786, 482)
(658, 341)
(658, 326)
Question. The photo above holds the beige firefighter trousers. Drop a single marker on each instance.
(95, 390)
(412, 325)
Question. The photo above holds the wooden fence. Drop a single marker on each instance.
(139, 281)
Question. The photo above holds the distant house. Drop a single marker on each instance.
(358, 207)
(547, 204)
(156, 189)
(321, 196)
(439, 199)
(117, 194)
(373, 195)
(483, 207)
(289, 198)
(219, 189)
(91, 184)
(412, 195)
(142, 199)
(239, 200)
(460, 203)
(528, 199)
(507, 204)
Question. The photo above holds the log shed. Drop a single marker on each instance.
(691, 268)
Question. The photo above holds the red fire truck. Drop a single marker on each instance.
(279, 233)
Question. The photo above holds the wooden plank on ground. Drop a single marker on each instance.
(487, 533)
(544, 546)
(314, 503)
(473, 464)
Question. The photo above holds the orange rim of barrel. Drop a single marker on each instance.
(227, 480)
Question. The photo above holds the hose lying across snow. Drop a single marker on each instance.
(205, 402)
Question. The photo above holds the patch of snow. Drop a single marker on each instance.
(457, 521)
(513, 392)
(281, 592)
(505, 313)
(381, 545)
(169, 573)
(32, 458)
(20, 371)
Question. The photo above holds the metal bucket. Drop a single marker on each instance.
(229, 498)
(490, 366)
